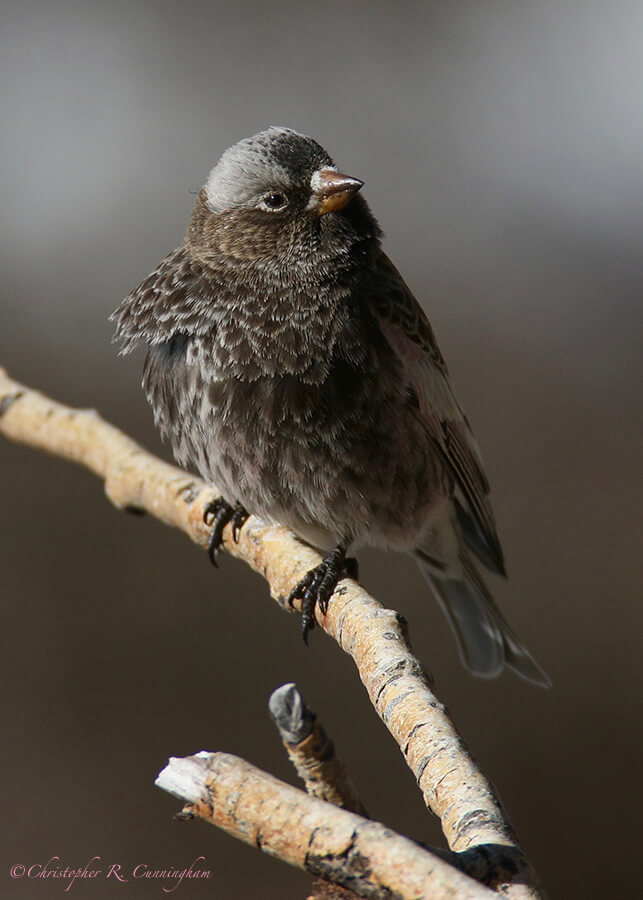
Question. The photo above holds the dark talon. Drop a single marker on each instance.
(217, 514)
(317, 587)
(239, 519)
(307, 616)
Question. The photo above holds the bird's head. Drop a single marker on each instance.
(277, 199)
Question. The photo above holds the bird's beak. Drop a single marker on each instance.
(332, 191)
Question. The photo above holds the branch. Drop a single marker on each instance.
(472, 817)
(325, 776)
(311, 751)
(313, 835)
(313, 755)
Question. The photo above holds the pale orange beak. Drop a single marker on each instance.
(332, 190)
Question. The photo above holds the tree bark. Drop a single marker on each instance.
(356, 853)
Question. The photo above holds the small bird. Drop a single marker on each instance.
(292, 366)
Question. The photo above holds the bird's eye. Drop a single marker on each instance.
(275, 201)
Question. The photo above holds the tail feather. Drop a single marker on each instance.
(485, 641)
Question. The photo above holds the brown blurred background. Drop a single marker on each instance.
(502, 147)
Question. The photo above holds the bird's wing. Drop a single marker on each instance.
(411, 337)
(176, 298)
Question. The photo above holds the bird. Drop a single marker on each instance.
(290, 364)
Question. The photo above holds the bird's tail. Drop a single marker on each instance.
(485, 641)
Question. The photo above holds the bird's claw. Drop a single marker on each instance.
(217, 514)
(317, 587)
(238, 520)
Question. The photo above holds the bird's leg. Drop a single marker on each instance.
(317, 586)
(217, 514)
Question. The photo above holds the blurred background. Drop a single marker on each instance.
(502, 149)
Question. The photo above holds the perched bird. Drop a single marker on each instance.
(290, 363)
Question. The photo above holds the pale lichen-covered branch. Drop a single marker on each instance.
(472, 818)
(315, 760)
(309, 833)
(311, 751)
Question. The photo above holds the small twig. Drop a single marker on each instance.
(357, 853)
(313, 755)
(311, 751)
(470, 812)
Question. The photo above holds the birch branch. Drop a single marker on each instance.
(315, 760)
(357, 853)
(311, 751)
(472, 818)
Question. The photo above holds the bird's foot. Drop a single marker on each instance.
(317, 586)
(217, 514)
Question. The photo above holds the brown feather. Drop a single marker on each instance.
(410, 335)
